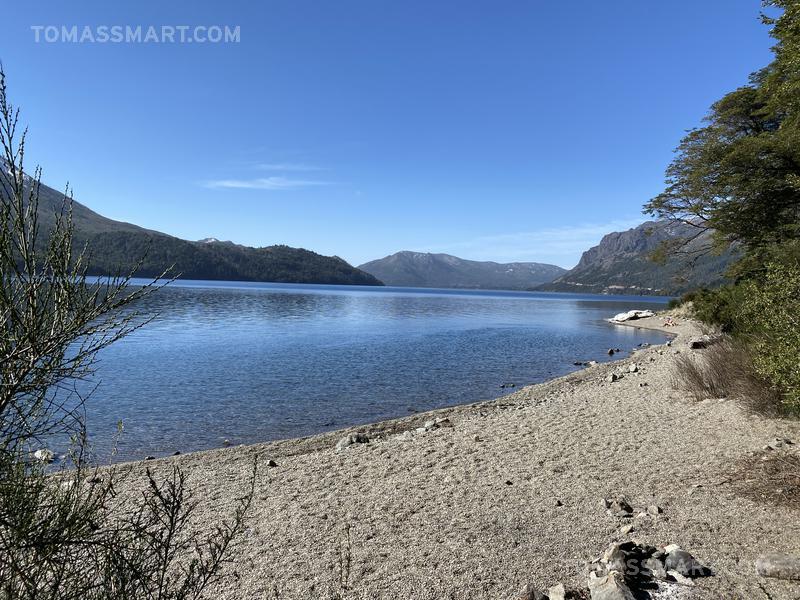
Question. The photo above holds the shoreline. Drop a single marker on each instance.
(506, 493)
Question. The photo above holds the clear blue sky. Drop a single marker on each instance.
(499, 130)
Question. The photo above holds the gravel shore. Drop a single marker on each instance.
(506, 493)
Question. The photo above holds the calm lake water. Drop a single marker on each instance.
(256, 362)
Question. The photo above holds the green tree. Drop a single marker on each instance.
(739, 175)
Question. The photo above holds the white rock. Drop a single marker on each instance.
(557, 592)
(631, 315)
(44, 455)
(610, 587)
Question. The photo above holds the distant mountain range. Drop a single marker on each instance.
(421, 269)
(116, 246)
(621, 264)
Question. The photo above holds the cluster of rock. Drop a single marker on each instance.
(350, 439)
(620, 373)
(627, 571)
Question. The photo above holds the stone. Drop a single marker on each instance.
(226, 442)
(654, 509)
(557, 592)
(529, 592)
(558, 502)
(680, 579)
(176, 453)
(611, 352)
(615, 558)
(444, 422)
(591, 363)
(671, 548)
(610, 587)
(643, 384)
(93, 480)
(619, 505)
(271, 463)
(654, 568)
(430, 425)
(779, 566)
(684, 563)
(634, 368)
(44, 455)
(149, 457)
(349, 440)
(703, 341)
(612, 377)
(626, 530)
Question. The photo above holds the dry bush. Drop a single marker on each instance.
(725, 370)
(772, 477)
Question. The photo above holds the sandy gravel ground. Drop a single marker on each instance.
(511, 494)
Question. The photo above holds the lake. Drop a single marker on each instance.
(252, 362)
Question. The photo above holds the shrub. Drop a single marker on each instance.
(768, 320)
(717, 307)
(725, 370)
(64, 535)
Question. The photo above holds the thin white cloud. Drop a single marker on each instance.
(562, 246)
(264, 183)
(285, 167)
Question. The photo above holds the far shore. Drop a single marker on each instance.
(503, 493)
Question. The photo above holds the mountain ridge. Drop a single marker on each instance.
(424, 269)
(621, 263)
(117, 246)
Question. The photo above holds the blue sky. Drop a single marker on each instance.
(497, 130)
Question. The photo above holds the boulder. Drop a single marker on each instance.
(780, 566)
(610, 587)
(612, 377)
(631, 315)
(633, 368)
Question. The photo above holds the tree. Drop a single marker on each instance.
(65, 535)
(739, 175)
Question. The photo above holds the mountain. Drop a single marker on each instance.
(420, 269)
(621, 264)
(116, 246)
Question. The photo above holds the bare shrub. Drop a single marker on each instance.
(772, 477)
(725, 370)
(66, 535)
